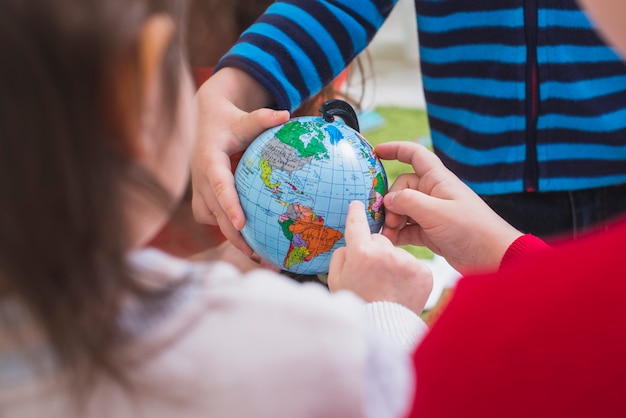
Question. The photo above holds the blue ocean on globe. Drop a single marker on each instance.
(295, 182)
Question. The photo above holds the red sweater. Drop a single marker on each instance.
(543, 337)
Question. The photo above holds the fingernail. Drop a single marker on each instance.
(388, 199)
(237, 223)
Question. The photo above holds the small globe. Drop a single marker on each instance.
(295, 182)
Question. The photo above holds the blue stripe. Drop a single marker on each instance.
(476, 122)
(511, 18)
(563, 19)
(575, 183)
(287, 53)
(603, 123)
(475, 86)
(546, 184)
(324, 40)
(366, 10)
(358, 33)
(496, 187)
(573, 54)
(556, 152)
(270, 63)
(473, 53)
(477, 157)
(583, 90)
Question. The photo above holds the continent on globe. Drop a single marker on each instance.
(281, 156)
(295, 183)
(307, 234)
(375, 201)
(305, 137)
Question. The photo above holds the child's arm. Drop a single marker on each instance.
(522, 247)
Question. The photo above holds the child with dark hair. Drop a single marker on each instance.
(97, 128)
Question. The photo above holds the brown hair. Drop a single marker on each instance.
(62, 243)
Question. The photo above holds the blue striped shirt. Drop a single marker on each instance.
(521, 95)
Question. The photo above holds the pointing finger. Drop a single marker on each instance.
(357, 228)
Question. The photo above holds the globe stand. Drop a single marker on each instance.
(336, 107)
(303, 278)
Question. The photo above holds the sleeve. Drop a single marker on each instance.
(387, 333)
(396, 322)
(394, 332)
(522, 247)
(297, 47)
(391, 334)
(390, 379)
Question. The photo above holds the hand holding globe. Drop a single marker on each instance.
(296, 181)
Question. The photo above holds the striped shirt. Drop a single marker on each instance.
(522, 95)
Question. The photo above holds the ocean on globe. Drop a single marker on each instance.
(295, 182)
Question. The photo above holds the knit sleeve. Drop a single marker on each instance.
(396, 322)
(296, 47)
(521, 247)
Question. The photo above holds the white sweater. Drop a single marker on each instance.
(231, 345)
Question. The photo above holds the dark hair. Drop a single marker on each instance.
(63, 120)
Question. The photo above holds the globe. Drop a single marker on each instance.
(295, 182)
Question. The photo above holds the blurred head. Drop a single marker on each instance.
(95, 136)
(610, 17)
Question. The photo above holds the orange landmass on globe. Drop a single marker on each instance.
(310, 237)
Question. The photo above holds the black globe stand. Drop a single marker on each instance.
(303, 278)
(336, 107)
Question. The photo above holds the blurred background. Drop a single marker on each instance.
(393, 76)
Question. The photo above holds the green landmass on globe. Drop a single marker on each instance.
(295, 183)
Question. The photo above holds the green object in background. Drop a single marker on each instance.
(401, 124)
(419, 252)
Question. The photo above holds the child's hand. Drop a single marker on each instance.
(370, 266)
(227, 124)
(433, 207)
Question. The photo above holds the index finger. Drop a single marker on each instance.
(357, 228)
(421, 158)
